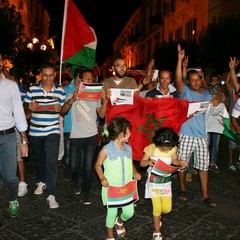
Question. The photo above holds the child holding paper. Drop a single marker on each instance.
(159, 156)
(116, 159)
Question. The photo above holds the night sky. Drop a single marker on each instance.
(106, 17)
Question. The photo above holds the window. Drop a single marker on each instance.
(178, 34)
(191, 30)
(20, 5)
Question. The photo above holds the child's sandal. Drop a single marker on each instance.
(120, 232)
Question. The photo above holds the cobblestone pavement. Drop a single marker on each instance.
(73, 220)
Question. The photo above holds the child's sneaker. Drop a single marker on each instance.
(232, 167)
(157, 236)
(41, 187)
(13, 208)
(22, 189)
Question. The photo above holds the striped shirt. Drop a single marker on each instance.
(45, 121)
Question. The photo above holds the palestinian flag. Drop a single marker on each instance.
(122, 196)
(218, 121)
(90, 91)
(41, 106)
(163, 169)
(79, 40)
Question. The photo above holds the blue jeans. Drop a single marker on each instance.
(45, 150)
(214, 139)
(8, 163)
(66, 160)
(82, 155)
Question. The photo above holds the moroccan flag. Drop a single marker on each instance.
(90, 91)
(162, 169)
(79, 41)
(122, 196)
(148, 115)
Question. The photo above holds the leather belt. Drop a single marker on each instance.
(5, 132)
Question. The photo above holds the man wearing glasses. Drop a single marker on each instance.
(119, 78)
(83, 134)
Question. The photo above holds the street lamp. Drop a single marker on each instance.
(35, 41)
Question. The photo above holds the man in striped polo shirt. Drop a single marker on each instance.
(45, 101)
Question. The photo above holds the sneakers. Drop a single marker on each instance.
(232, 167)
(238, 165)
(213, 167)
(157, 236)
(85, 199)
(41, 187)
(22, 189)
(13, 208)
(77, 187)
(188, 177)
(52, 202)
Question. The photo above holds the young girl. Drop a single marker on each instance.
(116, 159)
(158, 188)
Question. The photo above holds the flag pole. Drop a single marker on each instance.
(63, 37)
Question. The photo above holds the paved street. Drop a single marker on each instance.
(73, 220)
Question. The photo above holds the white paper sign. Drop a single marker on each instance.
(121, 96)
(196, 108)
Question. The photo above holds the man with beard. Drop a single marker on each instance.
(119, 78)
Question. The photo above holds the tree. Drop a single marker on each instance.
(11, 29)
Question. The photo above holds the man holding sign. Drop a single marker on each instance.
(85, 109)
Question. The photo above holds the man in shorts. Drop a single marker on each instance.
(193, 136)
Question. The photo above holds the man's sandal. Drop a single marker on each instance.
(182, 196)
(120, 232)
(209, 202)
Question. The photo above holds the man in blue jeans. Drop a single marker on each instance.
(67, 124)
(45, 100)
(11, 115)
(83, 135)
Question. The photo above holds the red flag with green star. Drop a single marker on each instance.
(146, 116)
(123, 195)
(79, 41)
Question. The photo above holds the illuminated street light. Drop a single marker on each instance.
(35, 41)
(30, 46)
(43, 47)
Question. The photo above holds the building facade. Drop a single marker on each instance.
(35, 18)
(156, 21)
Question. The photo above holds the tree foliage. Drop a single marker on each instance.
(11, 29)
